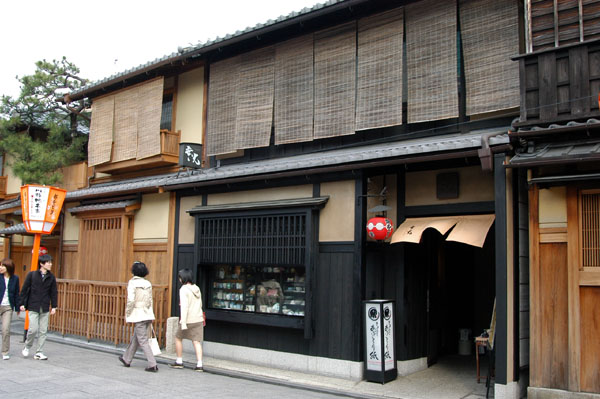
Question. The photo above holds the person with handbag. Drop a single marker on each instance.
(9, 292)
(39, 295)
(139, 311)
(191, 323)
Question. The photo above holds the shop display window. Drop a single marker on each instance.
(258, 289)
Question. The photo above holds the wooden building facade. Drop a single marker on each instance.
(558, 134)
(309, 126)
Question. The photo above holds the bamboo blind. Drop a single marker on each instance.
(126, 121)
(379, 85)
(490, 36)
(335, 77)
(254, 88)
(149, 112)
(220, 130)
(590, 229)
(294, 90)
(431, 60)
(101, 131)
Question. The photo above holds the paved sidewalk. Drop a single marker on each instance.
(451, 379)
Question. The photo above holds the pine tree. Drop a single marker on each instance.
(40, 132)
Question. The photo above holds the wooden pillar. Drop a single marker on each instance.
(501, 339)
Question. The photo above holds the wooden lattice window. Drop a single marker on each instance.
(590, 228)
(261, 239)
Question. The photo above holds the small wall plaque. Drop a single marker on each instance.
(447, 185)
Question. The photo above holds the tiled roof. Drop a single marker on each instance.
(10, 204)
(209, 44)
(103, 206)
(352, 155)
(16, 229)
(140, 184)
(358, 155)
(558, 152)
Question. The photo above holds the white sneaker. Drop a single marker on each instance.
(40, 356)
(5, 357)
(25, 352)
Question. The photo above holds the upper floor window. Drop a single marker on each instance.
(556, 23)
(166, 116)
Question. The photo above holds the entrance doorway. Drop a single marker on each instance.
(460, 292)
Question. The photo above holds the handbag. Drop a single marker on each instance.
(153, 341)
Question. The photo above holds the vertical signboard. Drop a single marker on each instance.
(380, 348)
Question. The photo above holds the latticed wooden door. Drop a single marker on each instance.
(103, 248)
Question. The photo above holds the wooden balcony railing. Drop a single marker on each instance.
(168, 156)
(560, 84)
(169, 142)
(96, 310)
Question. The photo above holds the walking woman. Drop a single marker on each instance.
(191, 324)
(9, 292)
(139, 311)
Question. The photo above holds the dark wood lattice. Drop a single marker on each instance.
(590, 229)
(269, 239)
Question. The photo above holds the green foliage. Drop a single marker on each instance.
(39, 132)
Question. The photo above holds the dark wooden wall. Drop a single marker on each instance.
(333, 311)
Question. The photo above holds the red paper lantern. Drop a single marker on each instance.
(380, 228)
(42, 251)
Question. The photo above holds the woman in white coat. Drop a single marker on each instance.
(191, 323)
(139, 311)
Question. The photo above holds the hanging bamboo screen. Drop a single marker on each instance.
(431, 60)
(294, 88)
(490, 36)
(126, 125)
(149, 112)
(335, 76)
(254, 110)
(220, 130)
(590, 229)
(379, 85)
(101, 131)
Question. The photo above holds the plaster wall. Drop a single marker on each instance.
(189, 105)
(277, 193)
(13, 183)
(187, 222)
(474, 185)
(337, 217)
(553, 207)
(151, 222)
(70, 228)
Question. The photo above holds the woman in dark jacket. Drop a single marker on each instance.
(9, 294)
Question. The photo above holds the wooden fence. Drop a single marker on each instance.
(96, 310)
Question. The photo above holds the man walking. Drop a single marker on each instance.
(39, 296)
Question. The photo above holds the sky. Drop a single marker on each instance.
(106, 37)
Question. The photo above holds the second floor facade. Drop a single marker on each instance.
(342, 73)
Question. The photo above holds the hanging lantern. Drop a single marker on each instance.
(41, 207)
(42, 251)
(380, 228)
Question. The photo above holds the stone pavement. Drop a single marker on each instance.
(453, 378)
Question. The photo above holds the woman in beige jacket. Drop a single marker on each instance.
(139, 311)
(191, 323)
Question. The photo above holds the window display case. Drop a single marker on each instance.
(258, 289)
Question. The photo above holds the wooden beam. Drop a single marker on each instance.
(573, 263)
(535, 355)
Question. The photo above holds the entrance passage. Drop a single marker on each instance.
(460, 292)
